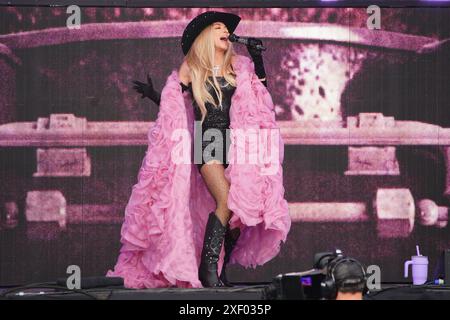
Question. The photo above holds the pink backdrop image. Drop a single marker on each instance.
(363, 114)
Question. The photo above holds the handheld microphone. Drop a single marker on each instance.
(235, 38)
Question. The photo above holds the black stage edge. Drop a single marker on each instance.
(240, 292)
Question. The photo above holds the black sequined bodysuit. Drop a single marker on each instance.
(215, 118)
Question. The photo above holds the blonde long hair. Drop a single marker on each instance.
(200, 60)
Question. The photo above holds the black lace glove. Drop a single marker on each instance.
(257, 58)
(147, 90)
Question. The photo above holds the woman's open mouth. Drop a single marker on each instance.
(224, 39)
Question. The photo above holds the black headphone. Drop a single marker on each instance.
(329, 287)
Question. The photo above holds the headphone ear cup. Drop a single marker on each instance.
(328, 288)
(366, 289)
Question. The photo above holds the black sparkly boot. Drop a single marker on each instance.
(212, 245)
(231, 237)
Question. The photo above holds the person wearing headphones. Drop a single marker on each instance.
(345, 280)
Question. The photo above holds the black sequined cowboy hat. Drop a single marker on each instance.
(200, 22)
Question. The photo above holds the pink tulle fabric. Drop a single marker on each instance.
(165, 218)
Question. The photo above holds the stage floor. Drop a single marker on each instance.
(260, 291)
(238, 292)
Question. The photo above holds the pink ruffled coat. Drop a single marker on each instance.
(165, 218)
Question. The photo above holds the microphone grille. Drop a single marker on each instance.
(233, 38)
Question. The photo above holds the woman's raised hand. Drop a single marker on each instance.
(147, 90)
(257, 58)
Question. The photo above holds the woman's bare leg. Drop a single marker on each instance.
(218, 185)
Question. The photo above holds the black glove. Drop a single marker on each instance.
(147, 90)
(257, 58)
